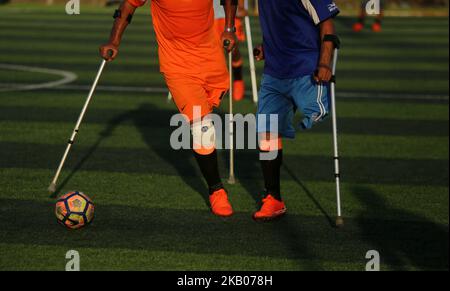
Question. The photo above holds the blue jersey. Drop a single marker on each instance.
(291, 36)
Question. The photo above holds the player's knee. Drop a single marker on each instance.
(204, 137)
(269, 142)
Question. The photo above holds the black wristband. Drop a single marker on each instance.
(334, 39)
(118, 14)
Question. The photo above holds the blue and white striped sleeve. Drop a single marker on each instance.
(320, 10)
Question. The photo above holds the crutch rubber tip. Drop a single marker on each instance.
(52, 188)
(231, 180)
(339, 222)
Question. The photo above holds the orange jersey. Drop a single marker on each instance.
(187, 41)
(191, 56)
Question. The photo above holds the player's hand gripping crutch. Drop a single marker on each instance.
(339, 218)
(231, 178)
(52, 187)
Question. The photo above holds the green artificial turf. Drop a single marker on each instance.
(151, 203)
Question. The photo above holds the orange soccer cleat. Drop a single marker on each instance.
(238, 90)
(220, 205)
(358, 26)
(271, 209)
(376, 27)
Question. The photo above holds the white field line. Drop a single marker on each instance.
(162, 90)
(67, 77)
(361, 95)
(342, 94)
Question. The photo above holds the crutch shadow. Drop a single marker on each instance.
(289, 231)
(309, 194)
(75, 169)
(147, 119)
(248, 163)
(248, 169)
(103, 135)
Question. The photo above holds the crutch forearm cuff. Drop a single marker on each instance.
(334, 39)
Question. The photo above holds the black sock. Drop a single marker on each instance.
(237, 73)
(271, 173)
(210, 169)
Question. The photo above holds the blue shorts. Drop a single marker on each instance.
(282, 98)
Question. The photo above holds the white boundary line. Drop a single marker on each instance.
(387, 96)
(162, 90)
(67, 77)
(343, 94)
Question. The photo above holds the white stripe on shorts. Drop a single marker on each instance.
(319, 102)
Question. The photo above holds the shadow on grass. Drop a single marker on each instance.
(151, 116)
(304, 239)
(156, 229)
(309, 194)
(415, 242)
(142, 118)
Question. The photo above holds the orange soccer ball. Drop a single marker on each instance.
(74, 210)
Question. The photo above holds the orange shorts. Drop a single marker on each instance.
(189, 92)
(219, 24)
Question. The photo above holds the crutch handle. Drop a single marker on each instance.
(110, 53)
(256, 52)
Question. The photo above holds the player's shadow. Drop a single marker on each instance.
(401, 237)
(153, 125)
(182, 161)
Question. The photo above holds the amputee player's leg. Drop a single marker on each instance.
(313, 100)
(196, 102)
(273, 100)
